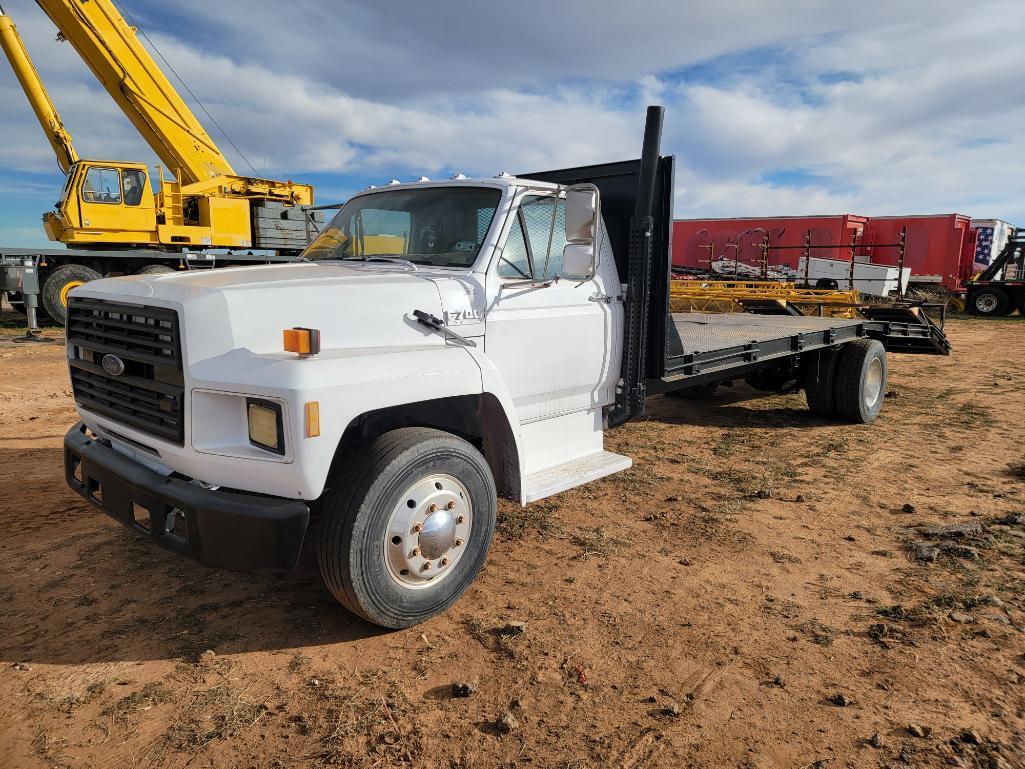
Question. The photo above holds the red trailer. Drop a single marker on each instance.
(699, 242)
(940, 249)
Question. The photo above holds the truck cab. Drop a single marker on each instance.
(483, 315)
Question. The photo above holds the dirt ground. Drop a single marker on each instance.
(763, 589)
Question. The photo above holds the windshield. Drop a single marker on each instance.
(438, 226)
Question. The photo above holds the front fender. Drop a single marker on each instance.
(345, 383)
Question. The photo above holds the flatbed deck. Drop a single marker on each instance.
(702, 332)
(704, 347)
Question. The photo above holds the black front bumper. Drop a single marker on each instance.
(227, 529)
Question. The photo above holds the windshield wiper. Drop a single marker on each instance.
(382, 258)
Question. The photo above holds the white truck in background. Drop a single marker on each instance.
(440, 344)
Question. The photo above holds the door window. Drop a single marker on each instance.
(132, 181)
(527, 249)
(515, 259)
(101, 185)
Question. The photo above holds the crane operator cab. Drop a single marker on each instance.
(105, 202)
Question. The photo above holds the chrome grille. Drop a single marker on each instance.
(149, 395)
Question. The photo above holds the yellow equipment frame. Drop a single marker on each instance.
(726, 296)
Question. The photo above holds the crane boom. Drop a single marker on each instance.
(111, 49)
(34, 89)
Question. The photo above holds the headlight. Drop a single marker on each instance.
(265, 425)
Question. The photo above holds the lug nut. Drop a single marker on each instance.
(417, 527)
(426, 566)
(459, 541)
(451, 505)
(444, 561)
(461, 519)
(414, 552)
(432, 508)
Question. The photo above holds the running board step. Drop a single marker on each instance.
(576, 472)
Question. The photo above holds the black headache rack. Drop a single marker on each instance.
(664, 351)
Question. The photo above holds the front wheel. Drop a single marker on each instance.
(54, 296)
(406, 526)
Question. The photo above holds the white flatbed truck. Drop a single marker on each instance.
(440, 344)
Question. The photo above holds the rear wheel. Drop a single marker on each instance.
(819, 376)
(406, 526)
(860, 380)
(1021, 303)
(701, 392)
(154, 269)
(54, 296)
(989, 302)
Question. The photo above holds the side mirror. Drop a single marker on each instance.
(578, 260)
(581, 214)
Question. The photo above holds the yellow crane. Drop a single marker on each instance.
(112, 204)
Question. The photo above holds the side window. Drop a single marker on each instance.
(515, 260)
(537, 214)
(132, 182)
(101, 185)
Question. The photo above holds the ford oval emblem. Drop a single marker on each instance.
(113, 365)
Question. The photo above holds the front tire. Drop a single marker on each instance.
(406, 526)
(860, 380)
(54, 296)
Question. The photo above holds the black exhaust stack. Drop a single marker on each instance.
(631, 395)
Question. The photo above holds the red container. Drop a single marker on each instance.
(940, 250)
(698, 242)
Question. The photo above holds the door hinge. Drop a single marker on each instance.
(606, 299)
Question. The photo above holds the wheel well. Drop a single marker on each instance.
(478, 419)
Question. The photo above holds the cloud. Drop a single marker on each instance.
(797, 108)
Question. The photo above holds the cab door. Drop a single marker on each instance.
(101, 197)
(137, 199)
(554, 340)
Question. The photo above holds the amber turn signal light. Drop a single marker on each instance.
(303, 341)
(312, 419)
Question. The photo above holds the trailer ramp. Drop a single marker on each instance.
(907, 329)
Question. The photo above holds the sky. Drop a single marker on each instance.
(799, 107)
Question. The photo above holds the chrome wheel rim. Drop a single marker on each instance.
(428, 531)
(873, 382)
(985, 303)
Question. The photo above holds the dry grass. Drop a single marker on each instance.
(516, 522)
(218, 713)
(596, 541)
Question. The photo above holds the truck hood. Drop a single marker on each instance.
(354, 306)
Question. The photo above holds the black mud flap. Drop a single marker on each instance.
(908, 328)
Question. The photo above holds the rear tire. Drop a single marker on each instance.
(1021, 303)
(54, 296)
(819, 376)
(154, 269)
(989, 302)
(701, 392)
(860, 385)
(372, 555)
